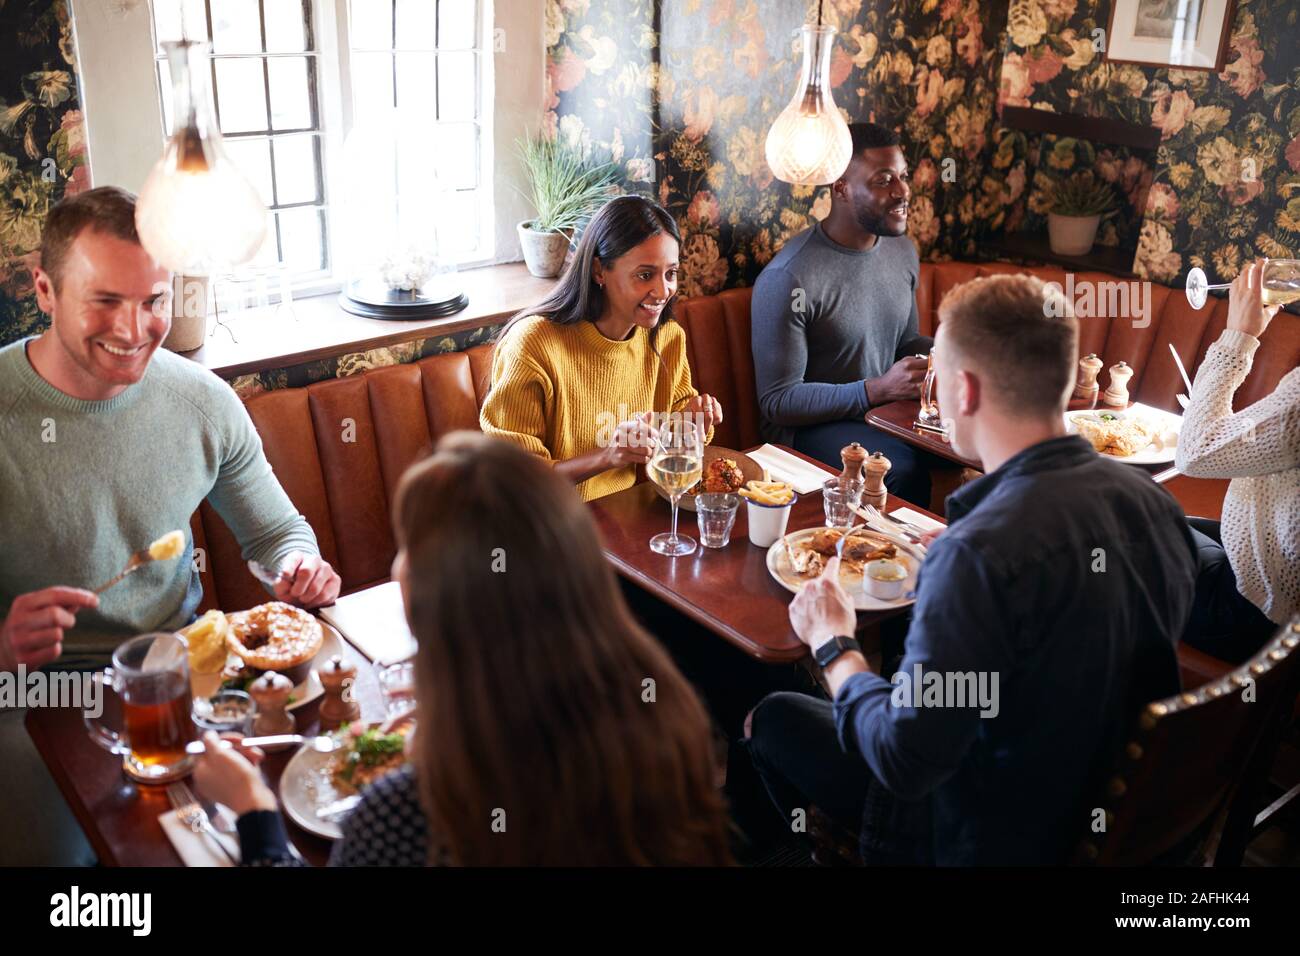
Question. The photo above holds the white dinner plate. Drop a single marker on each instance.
(778, 564)
(307, 786)
(1157, 453)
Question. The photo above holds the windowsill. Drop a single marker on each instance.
(264, 340)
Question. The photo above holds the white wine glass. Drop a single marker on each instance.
(677, 464)
(1281, 282)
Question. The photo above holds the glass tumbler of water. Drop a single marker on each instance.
(839, 500)
(716, 514)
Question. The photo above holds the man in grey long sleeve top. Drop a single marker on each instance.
(107, 442)
(835, 321)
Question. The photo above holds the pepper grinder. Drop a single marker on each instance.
(876, 467)
(340, 705)
(853, 456)
(270, 693)
(1086, 389)
(1116, 394)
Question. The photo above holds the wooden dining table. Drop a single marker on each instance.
(120, 816)
(898, 419)
(728, 590)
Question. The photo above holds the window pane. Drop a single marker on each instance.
(458, 225)
(236, 27)
(285, 22)
(372, 81)
(295, 169)
(290, 92)
(457, 155)
(253, 157)
(416, 84)
(371, 24)
(457, 89)
(456, 24)
(167, 20)
(241, 96)
(300, 239)
(416, 24)
(165, 92)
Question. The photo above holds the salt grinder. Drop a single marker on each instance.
(270, 693)
(1116, 395)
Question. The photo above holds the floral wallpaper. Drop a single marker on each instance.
(681, 94)
(42, 146)
(1225, 179)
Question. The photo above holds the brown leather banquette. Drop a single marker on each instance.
(393, 415)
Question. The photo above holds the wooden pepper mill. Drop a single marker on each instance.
(1116, 395)
(270, 693)
(876, 467)
(853, 456)
(1086, 388)
(339, 705)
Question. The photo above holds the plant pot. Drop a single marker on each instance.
(190, 300)
(1071, 235)
(544, 252)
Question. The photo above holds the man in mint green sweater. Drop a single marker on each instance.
(106, 444)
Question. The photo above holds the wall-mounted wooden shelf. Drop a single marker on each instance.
(1094, 128)
(1035, 247)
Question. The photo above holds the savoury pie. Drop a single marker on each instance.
(274, 636)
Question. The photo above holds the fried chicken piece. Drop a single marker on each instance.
(722, 476)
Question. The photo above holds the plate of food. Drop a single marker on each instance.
(725, 470)
(801, 556)
(313, 781)
(231, 650)
(1138, 435)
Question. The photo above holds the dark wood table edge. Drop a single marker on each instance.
(72, 797)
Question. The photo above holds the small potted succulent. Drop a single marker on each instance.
(1077, 207)
(565, 191)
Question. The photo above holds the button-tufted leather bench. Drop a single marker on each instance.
(339, 446)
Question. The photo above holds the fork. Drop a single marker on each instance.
(138, 561)
(191, 813)
(905, 525)
(839, 545)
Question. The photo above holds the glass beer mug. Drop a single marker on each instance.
(151, 675)
(929, 413)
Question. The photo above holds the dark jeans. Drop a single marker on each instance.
(1224, 624)
(797, 753)
(909, 474)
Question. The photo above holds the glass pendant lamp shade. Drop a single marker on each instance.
(809, 144)
(197, 214)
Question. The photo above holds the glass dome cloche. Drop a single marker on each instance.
(392, 208)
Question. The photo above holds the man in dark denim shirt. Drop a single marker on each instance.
(1058, 594)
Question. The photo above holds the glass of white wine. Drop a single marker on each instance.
(1281, 283)
(677, 464)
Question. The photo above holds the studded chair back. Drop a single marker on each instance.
(1173, 789)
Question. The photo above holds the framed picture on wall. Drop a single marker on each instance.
(1188, 34)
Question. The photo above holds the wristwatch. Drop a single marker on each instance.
(827, 652)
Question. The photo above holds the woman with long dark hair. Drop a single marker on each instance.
(578, 378)
(550, 728)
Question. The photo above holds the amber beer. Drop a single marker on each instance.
(156, 715)
(151, 675)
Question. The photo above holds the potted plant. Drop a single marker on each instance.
(1077, 207)
(565, 191)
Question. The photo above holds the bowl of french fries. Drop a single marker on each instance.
(767, 508)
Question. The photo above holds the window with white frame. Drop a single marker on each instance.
(272, 85)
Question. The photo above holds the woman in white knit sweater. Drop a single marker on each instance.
(1249, 578)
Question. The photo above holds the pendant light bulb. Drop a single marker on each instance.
(809, 144)
(197, 213)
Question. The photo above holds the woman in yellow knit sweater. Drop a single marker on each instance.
(579, 378)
